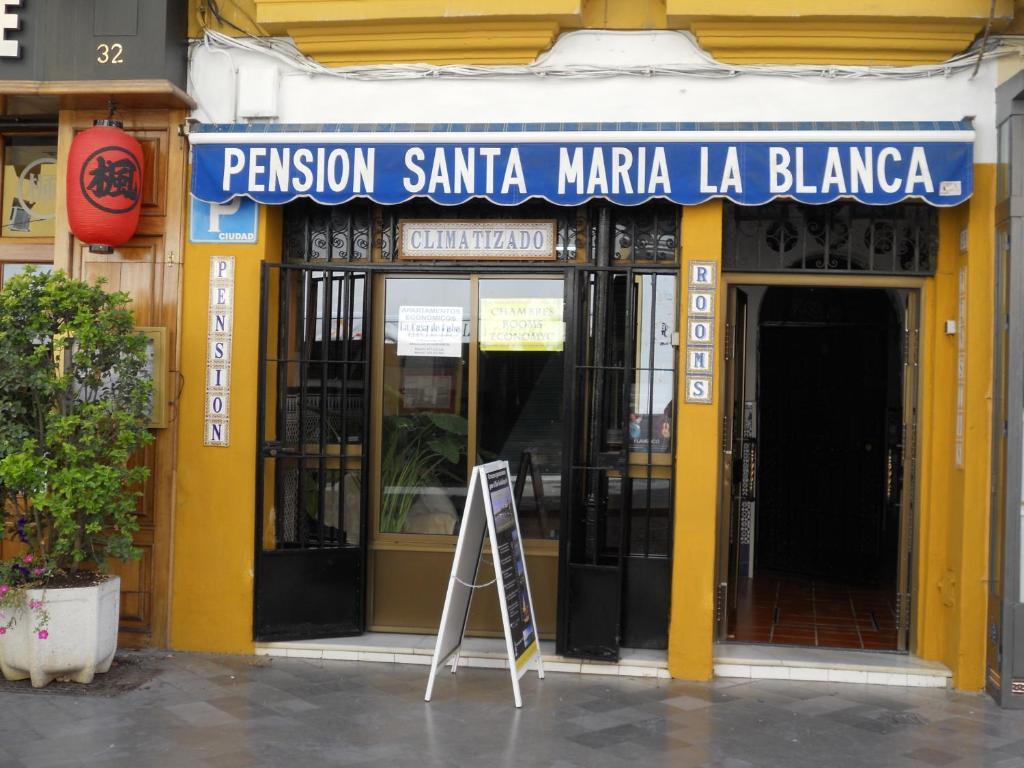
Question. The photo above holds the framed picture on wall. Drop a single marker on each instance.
(428, 392)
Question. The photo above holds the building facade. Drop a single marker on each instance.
(722, 297)
(64, 64)
(1004, 677)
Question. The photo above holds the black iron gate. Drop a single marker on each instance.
(315, 446)
(312, 463)
(617, 519)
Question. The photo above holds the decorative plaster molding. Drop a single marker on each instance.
(871, 32)
(277, 15)
(834, 41)
(479, 41)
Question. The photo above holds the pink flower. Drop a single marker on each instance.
(37, 571)
(43, 634)
(3, 589)
(28, 558)
(35, 604)
(3, 630)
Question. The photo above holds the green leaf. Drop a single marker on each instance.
(73, 411)
(446, 448)
(449, 422)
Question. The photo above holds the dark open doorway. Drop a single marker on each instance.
(823, 399)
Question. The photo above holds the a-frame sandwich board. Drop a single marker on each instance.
(490, 513)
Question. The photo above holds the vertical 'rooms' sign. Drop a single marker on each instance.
(218, 350)
(700, 327)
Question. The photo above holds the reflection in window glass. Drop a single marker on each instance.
(1003, 162)
(425, 401)
(520, 384)
(29, 186)
(10, 269)
(650, 526)
(650, 418)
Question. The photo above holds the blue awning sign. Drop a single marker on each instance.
(389, 165)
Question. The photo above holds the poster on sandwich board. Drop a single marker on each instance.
(490, 515)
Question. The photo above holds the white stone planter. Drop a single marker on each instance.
(82, 635)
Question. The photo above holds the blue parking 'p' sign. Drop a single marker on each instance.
(235, 221)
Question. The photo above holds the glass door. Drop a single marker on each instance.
(471, 370)
(424, 444)
(520, 379)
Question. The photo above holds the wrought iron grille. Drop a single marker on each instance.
(315, 375)
(568, 231)
(618, 522)
(332, 234)
(352, 232)
(647, 233)
(840, 237)
(625, 374)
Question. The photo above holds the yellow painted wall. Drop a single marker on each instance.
(213, 538)
(952, 545)
(691, 623)
(951, 548)
(238, 17)
(969, 544)
(212, 594)
(940, 488)
(977, 9)
(632, 14)
(349, 32)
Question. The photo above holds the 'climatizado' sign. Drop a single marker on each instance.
(567, 168)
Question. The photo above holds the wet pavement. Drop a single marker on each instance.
(191, 710)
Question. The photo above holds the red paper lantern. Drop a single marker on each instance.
(104, 185)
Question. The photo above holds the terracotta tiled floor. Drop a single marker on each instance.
(792, 610)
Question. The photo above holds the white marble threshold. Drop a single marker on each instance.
(781, 662)
(731, 660)
(488, 652)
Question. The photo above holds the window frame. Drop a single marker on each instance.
(29, 250)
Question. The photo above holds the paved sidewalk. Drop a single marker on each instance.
(194, 711)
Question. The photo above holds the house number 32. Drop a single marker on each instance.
(110, 53)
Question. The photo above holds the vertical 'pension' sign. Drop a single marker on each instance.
(9, 23)
(218, 350)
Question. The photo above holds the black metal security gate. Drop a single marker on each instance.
(312, 464)
(315, 448)
(617, 519)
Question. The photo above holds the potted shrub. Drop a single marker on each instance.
(74, 404)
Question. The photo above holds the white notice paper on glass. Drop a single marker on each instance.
(430, 331)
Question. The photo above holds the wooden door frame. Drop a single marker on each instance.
(911, 393)
(472, 273)
(165, 228)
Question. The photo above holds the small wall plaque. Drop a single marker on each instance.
(479, 240)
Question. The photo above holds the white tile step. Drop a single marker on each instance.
(487, 652)
(779, 662)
